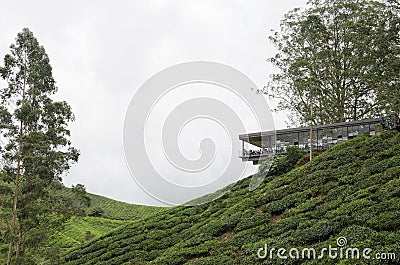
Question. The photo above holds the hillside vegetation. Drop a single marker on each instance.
(80, 229)
(112, 209)
(111, 214)
(351, 190)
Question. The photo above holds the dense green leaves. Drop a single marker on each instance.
(281, 163)
(345, 53)
(35, 150)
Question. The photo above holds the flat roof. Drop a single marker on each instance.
(256, 137)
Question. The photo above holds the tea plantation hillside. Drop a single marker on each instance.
(79, 230)
(351, 190)
(111, 209)
(110, 215)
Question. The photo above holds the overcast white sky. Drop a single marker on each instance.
(102, 51)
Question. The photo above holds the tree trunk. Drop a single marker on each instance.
(17, 175)
(311, 119)
(18, 250)
(355, 110)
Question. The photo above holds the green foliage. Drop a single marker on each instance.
(96, 212)
(35, 151)
(80, 196)
(312, 205)
(281, 163)
(345, 54)
(78, 230)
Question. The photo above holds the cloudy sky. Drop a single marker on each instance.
(102, 51)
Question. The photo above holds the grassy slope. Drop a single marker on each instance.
(116, 209)
(75, 231)
(122, 210)
(116, 214)
(352, 190)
